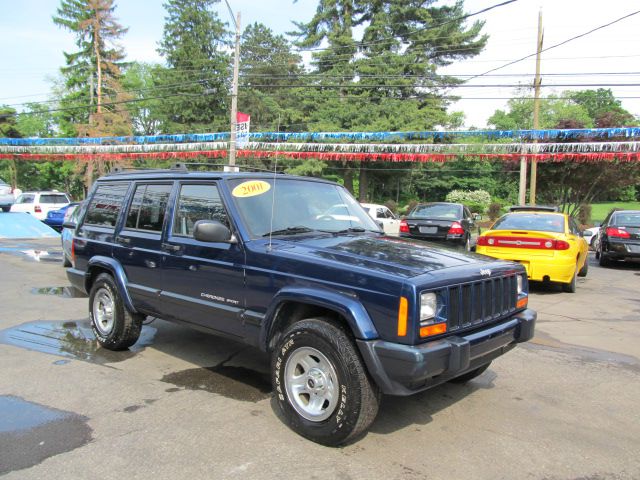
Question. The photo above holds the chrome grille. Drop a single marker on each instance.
(474, 303)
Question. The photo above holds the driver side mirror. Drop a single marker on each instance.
(212, 231)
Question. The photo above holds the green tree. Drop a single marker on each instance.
(603, 108)
(268, 69)
(140, 80)
(387, 78)
(196, 82)
(36, 121)
(92, 74)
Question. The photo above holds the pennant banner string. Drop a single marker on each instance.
(434, 135)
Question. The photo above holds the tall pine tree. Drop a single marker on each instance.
(196, 80)
(92, 74)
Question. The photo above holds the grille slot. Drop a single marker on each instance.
(475, 303)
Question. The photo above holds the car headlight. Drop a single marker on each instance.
(428, 307)
(519, 283)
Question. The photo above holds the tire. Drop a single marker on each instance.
(66, 262)
(476, 372)
(603, 261)
(585, 268)
(316, 360)
(113, 325)
(6, 209)
(571, 286)
(467, 244)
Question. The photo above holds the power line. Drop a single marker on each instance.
(559, 44)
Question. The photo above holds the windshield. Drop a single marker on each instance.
(538, 222)
(436, 211)
(299, 206)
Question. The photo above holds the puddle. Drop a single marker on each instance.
(237, 383)
(42, 255)
(545, 341)
(73, 340)
(64, 292)
(30, 433)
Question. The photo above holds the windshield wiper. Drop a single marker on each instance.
(290, 231)
(356, 230)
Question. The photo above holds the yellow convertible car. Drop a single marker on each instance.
(549, 245)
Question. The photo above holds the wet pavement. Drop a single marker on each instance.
(70, 339)
(30, 433)
(185, 404)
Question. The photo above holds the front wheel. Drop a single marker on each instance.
(114, 326)
(321, 385)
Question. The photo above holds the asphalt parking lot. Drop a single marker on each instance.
(182, 404)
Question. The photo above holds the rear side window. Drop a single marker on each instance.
(106, 204)
(148, 207)
(25, 199)
(198, 202)
(53, 198)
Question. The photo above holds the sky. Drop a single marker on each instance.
(32, 46)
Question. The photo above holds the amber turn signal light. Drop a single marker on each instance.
(523, 302)
(403, 312)
(432, 330)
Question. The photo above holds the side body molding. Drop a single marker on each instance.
(346, 305)
(114, 267)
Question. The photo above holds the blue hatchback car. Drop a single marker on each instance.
(55, 218)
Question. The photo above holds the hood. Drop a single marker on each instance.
(391, 255)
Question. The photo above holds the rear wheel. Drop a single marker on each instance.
(321, 385)
(470, 375)
(114, 326)
(571, 286)
(585, 268)
(6, 209)
(603, 261)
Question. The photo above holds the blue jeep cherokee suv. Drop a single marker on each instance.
(295, 267)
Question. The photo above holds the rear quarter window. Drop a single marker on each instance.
(106, 204)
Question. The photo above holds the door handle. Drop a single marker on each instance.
(171, 248)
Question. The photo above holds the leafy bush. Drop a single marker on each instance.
(477, 200)
(494, 210)
(391, 205)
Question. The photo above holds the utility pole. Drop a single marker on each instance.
(536, 110)
(234, 101)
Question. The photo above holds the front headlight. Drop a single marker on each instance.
(428, 307)
(519, 282)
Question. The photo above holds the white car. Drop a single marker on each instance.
(591, 236)
(380, 213)
(6, 196)
(39, 204)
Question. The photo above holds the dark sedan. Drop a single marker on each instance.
(55, 218)
(449, 222)
(619, 237)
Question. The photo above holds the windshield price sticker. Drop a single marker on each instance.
(251, 189)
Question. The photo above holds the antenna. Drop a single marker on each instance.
(273, 200)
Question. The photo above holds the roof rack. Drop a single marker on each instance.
(185, 167)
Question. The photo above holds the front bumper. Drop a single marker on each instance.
(406, 369)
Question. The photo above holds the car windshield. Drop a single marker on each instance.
(627, 219)
(538, 222)
(435, 211)
(298, 206)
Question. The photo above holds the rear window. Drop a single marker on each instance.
(627, 219)
(436, 211)
(53, 198)
(106, 204)
(537, 222)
